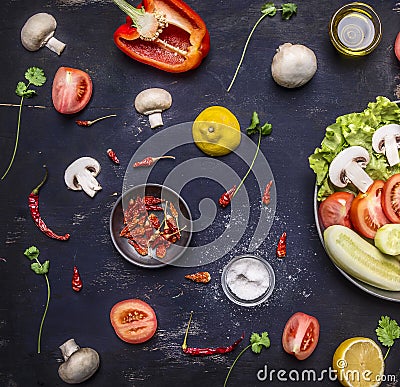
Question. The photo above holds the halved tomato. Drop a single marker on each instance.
(300, 335)
(134, 321)
(391, 198)
(335, 209)
(366, 214)
(72, 90)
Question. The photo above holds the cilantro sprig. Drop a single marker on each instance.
(42, 269)
(35, 76)
(268, 9)
(257, 343)
(387, 331)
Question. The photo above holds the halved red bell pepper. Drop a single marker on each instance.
(166, 34)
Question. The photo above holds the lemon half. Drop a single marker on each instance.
(216, 131)
(359, 363)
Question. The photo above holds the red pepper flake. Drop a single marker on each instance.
(207, 351)
(76, 280)
(113, 157)
(201, 276)
(89, 123)
(281, 249)
(33, 203)
(266, 199)
(149, 161)
(226, 197)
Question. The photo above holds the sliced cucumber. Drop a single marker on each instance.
(387, 239)
(360, 259)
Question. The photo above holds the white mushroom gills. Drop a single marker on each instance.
(152, 102)
(38, 31)
(79, 363)
(348, 166)
(81, 175)
(386, 140)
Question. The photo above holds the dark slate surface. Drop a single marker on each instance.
(306, 279)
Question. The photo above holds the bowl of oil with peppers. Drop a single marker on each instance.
(151, 225)
(355, 29)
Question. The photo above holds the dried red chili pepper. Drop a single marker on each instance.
(281, 249)
(207, 351)
(113, 157)
(266, 199)
(89, 123)
(226, 197)
(76, 280)
(201, 276)
(150, 200)
(150, 207)
(166, 34)
(149, 161)
(155, 222)
(33, 203)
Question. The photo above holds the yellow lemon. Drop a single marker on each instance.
(216, 131)
(359, 362)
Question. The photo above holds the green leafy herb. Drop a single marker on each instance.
(261, 130)
(35, 76)
(387, 331)
(268, 9)
(42, 269)
(257, 342)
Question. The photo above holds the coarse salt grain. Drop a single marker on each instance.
(248, 278)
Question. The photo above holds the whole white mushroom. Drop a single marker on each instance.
(293, 65)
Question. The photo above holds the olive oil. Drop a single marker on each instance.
(355, 29)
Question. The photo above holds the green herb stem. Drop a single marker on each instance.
(134, 13)
(244, 50)
(16, 138)
(233, 364)
(45, 311)
(251, 165)
(386, 354)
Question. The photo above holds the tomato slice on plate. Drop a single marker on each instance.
(335, 209)
(366, 213)
(300, 335)
(72, 90)
(133, 320)
(391, 198)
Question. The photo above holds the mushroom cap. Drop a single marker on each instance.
(378, 138)
(153, 100)
(337, 169)
(79, 165)
(37, 30)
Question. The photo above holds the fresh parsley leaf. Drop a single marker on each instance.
(21, 88)
(266, 129)
(39, 268)
(288, 10)
(32, 252)
(36, 76)
(257, 342)
(388, 331)
(268, 9)
(255, 127)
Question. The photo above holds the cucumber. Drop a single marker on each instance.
(360, 259)
(387, 239)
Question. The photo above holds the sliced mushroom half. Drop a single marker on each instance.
(348, 166)
(81, 175)
(152, 102)
(386, 140)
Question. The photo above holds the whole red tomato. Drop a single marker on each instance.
(300, 335)
(397, 46)
(72, 90)
(133, 320)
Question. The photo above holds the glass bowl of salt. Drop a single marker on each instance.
(248, 280)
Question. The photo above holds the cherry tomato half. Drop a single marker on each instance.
(72, 90)
(335, 209)
(397, 46)
(366, 214)
(391, 198)
(300, 335)
(134, 321)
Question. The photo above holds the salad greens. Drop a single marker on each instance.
(355, 129)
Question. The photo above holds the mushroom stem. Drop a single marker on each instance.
(68, 348)
(391, 150)
(356, 174)
(155, 120)
(55, 45)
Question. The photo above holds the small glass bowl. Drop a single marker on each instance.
(234, 297)
(369, 18)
